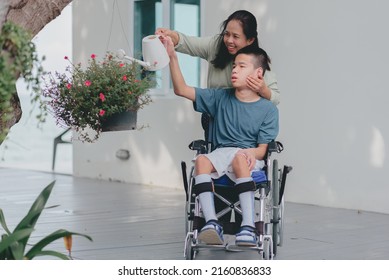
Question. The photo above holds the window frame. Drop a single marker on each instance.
(167, 20)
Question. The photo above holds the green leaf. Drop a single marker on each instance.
(29, 221)
(9, 241)
(3, 223)
(37, 248)
(52, 253)
(16, 249)
(13, 245)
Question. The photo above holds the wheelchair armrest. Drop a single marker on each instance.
(199, 145)
(275, 146)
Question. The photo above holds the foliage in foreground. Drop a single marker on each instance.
(13, 244)
(18, 57)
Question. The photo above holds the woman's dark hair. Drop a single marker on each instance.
(249, 25)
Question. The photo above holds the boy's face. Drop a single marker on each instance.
(241, 69)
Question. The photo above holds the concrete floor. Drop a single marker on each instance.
(128, 222)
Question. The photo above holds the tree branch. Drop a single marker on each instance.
(4, 9)
(33, 15)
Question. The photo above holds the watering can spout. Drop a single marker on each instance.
(122, 55)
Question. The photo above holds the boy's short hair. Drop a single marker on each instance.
(260, 57)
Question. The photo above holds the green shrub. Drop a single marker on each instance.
(13, 244)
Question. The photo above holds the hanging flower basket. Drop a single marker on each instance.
(120, 121)
(97, 95)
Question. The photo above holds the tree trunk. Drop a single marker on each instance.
(32, 15)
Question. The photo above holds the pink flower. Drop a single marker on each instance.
(102, 97)
(102, 112)
(87, 83)
(130, 92)
(124, 78)
(121, 64)
(93, 56)
(137, 81)
(68, 86)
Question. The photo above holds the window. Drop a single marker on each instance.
(180, 15)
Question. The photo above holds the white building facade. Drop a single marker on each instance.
(330, 59)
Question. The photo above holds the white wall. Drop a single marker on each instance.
(157, 150)
(330, 59)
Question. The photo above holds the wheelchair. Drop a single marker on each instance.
(269, 206)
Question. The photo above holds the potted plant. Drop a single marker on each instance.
(14, 245)
(90, 97)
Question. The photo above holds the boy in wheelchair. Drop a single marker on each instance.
(244, 124)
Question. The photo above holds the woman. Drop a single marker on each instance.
(237, 31)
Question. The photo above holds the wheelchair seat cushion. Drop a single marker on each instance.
(258, 176)
(222, 159)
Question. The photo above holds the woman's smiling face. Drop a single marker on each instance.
(234, 38)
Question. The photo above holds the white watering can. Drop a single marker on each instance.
(154, 54)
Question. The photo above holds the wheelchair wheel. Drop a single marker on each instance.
(280, 218)
(267, 253)
(276, 209)
(189, 251)
(281, 223)
(188, 222)
(188, 205)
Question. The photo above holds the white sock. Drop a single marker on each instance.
(206, 198)
(202, 178)
(207, 206)
(248, 210)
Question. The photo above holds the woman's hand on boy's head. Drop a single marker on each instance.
(255, 83)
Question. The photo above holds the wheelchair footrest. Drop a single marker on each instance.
(236, 248)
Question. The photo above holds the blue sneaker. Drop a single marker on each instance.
(212, 233)
(246, 237)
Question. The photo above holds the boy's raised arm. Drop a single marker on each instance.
(179, 85)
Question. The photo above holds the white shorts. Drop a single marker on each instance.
(221, 160)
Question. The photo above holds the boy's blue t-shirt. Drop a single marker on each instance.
(236, 123)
